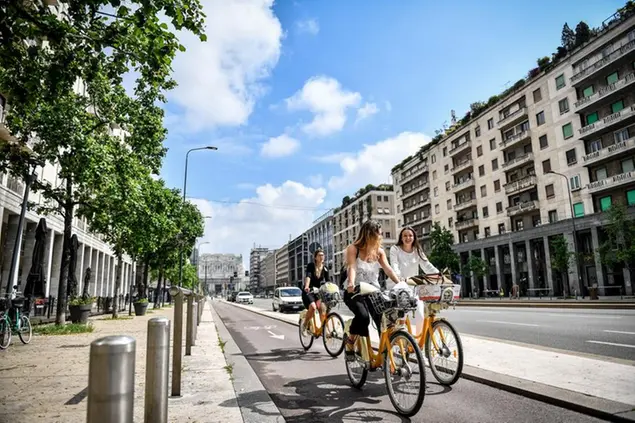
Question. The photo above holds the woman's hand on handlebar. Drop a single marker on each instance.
(350, 288)
(306, 289)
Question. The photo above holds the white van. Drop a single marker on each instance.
(287, 298)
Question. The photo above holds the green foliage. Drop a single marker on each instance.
(620, 244)
(363, 191)
(190, 277)
(560, 254)
(81, 301)
(441, 252)
(582, 34)
(66, 329)
(568, 37)
(478, 266)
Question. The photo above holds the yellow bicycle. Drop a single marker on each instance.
(398, 353)
(325, 323)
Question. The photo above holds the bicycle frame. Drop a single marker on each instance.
(376, 359)
(429, 319)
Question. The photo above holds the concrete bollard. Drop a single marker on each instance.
(111, 380)
(201, 305)
(157, 370)
(189, 321)
(177, 345)
(194, 323)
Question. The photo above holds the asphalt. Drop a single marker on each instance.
(312, 387)
(607, 333)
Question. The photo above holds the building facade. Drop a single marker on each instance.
(321, 235)
(268, 269)
(282, 265)
(378, 204)
(256, 256)
(299, 257)
(501, 181)
(218, 270)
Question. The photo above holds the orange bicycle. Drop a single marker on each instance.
(438, 337)
(325, 323)
(398, 353)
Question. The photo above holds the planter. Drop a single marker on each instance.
(140, 309)
(80, 313)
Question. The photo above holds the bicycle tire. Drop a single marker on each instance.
(422, 371)
(5, 330)
(25, 322)
(308, 345)
(459, 347)
(362, 379)
(339, 349)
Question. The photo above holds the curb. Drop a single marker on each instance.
(256, 406)
(574, 401)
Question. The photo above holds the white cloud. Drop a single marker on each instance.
(308, 26)
(220, 80)
(366, 111)
(372, 164)
(235, 228)
(327, 100)
(331, 158)
(280, 146)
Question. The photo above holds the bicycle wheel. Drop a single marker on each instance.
(333, 334)
(5, 333)
(355, 366)
(446, 359)
(306, 337)
(403, 367)
(26, 330)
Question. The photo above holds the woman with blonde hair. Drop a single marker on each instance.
(364, 257)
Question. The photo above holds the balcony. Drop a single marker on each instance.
(585, 104)
(612, 182)
(611, 122)
(410, 174)
(515, 139)
(467, 223)
(521, 208)
(462, 166)
(589, 71)
(416, 205)
(419, 219)
(520, 185)
(415, 188)
(608, 152)
(460, 148)
(465, 204)
(463, 185)
(518, 161)
(513, 118)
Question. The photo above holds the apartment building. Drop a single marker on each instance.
(282, 265)
(256, 256)
(298, 258)
(321, 235)
(377, 203)
(501, 180)
(268, 269)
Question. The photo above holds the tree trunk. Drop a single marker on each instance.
(159, 293)
(115, 300)
(60, 316)
(146, 275)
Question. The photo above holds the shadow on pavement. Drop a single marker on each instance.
(289, 354)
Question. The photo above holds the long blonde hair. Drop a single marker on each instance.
(369, 239)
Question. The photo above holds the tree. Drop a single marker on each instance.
(568, 37)
(561, 258)
(59, 76)
(582, 34)
(477, 266)
(620, 244)
(441, 253)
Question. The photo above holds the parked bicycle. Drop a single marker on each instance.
(325, 323)
(398, 353)
(13, 320)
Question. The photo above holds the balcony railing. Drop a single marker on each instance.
(610, 151)
(602, 63)
(521, 184)
(608, 122)
(464, 165)
(414, 188)
(457, 149)
(611, 182)
(416, 205)
(411, 174)
(467, 223)
(516, 138)
(464, 184)
(465, 204)
(586, 102)
(518, 161)
(524, 207)
(513, 117)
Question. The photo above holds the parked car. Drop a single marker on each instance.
(232, 296)
(245, 297)
(287, 298)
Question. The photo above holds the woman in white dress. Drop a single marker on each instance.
(406, 257)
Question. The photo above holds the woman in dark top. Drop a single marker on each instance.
(316, 275)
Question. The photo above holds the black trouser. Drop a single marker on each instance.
(361, 311)
(308, 298)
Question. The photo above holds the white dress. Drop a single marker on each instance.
(367, 272)
(406, 265)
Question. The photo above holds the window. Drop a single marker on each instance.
(483, 191)
(492, 144)
(477, 131)
(549, 191)
(612, 78)
(588, 91)
(481, 170)
(630, 197)
(449, 204)
(501, 228)
(560, 83)
(621, 135)
(553, 216)
(447, 186)
(605, 203)
(627, 165)
(592, 118)
(485, 212)
(600, 173)
(563, 105)
(437, 209)
(546, 166)
(494, 164)
(617, 106)
(540, 118)
(490, 123)
(386, 198)
(578, 209)
(433, 159)
(487, 232)
(497, 185)
(571, 157)
(575, 182)
(499, 207)
(544, 143)
(567, 131)
(387, 234)
(445, 151)
(446, 168)
(537, 95)
(436, 191)
(595, 146)
(434, 175)
(479, 151)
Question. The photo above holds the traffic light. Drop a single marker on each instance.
(235, 274)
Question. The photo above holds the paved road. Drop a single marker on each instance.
(313, 387)
(609, 333)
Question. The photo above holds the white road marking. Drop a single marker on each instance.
(508, 323)
(612, 344)
(273, 335)
(538, 313)
(619, 331)
(591, 316)
(260, 327)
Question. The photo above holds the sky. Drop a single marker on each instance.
(308, 101)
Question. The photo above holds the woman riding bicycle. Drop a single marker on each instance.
(364, 257)
(316, 275)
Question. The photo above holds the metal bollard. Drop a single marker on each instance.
(188, 325)
(201, 305)
(194, 323)
(177, 345)
(111, 380)
(157, 370)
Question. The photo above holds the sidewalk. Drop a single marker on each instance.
(603, 384)
(548, 302)
(46, 381)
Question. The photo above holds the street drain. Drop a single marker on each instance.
(73, 346)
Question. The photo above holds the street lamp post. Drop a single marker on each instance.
(209, 147)
(575, 236)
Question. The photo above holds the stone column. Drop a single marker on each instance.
(529, 256)
(7, 253)
(499, 272)
(484, 257)
(79, 273)
(575, 281)
(27, 254)
(599, 270)
(512, 261)
(48, 257)
(97, 263)
(549, 275)
(58, 250)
